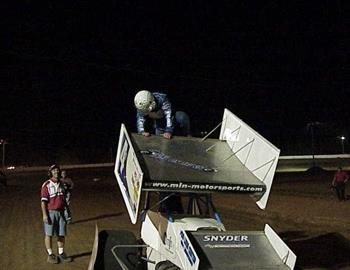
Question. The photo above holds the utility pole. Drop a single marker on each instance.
(313, 145)
(342, 140)
(3, 143)
(311, 127)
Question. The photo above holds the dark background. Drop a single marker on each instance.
(70, 70)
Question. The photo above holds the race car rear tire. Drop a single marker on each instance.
(166, 265)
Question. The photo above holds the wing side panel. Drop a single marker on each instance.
(256, 153)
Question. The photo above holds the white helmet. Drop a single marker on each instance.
(144, 101)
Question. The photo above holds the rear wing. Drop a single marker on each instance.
(241, 161)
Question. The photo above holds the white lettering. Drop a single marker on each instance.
(226, 238)
(229, 238)
(206, 238)
(244, 238)
(215, 238)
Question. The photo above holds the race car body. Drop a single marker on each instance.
(187, 170)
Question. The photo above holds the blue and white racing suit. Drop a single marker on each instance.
(164, 120)
(165, 123)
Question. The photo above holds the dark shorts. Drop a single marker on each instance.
(57, 224)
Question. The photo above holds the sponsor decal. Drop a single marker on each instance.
(187, 248)
(161, 156)
(168, 244)
(213, 187)
(122, 163)
(226, 241)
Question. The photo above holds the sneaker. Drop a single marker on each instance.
(52, 259)
(64, 258)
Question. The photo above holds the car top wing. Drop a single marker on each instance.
(240, 161)
(187, 164)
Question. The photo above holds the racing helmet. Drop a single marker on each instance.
(144, 101)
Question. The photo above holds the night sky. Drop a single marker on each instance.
(70, 70)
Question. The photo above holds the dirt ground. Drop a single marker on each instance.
(302, 209)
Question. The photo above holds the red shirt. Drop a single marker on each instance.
(340, 176)
(53, 193)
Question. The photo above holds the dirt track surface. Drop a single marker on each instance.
(302, 209)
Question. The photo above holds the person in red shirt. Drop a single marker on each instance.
(53, 203)
(339, 180)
